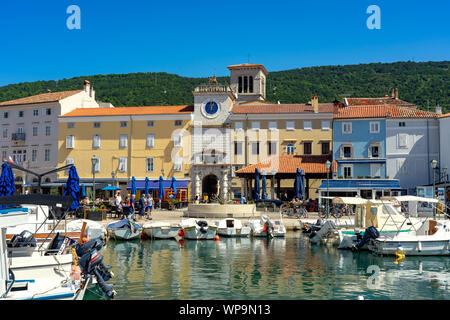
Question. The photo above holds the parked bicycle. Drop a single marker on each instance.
(296, 211)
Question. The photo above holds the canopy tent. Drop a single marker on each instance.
(411, 198)
(154, 184)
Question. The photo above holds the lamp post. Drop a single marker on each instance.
(93, 162)
(434, 165)
(327, 166)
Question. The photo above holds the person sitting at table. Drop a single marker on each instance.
(118, 203)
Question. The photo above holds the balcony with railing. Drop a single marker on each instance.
(18, 136)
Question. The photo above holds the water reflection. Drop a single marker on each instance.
(279, 268)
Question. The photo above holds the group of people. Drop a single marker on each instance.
(129, 207)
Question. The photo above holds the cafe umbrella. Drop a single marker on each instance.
(173, 187)
(133, 185)
(256, 190)
(7, 186)
(263, 187)
(161, 190)
(297, 184)
(72, 187)
(147, 186)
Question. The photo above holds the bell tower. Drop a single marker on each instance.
(248, 81)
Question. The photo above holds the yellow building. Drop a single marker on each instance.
(125, 142)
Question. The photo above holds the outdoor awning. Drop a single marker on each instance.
(360, 184)
(154, 184)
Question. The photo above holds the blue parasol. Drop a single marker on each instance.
(161, 188)
(302, 185)
(83, 191)
(73, 187)
(263, 187)
(147, 186)
(110, 188)
(256, 190)
(133, 185)
(174, 187)
(7, 186)
(297, 184)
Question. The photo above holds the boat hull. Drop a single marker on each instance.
(194, 233)
(161, 232)
(411, 248)
(234, 232)
(124, 234)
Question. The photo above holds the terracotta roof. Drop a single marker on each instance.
(290, 163)
(281, 108)
(251, 65)
(41, 98)
(444, 115)
(376, 101)
(118, 111)
(382, 111)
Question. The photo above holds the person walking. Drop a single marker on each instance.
(118, 203)
(141, 207)
(149, 207)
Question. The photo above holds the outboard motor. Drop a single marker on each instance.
(91, 263)
(24, 239)
(202, 224)
(370, 233)
(269, 228)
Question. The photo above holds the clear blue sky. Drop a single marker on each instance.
(199, 38)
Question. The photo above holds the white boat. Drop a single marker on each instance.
(93, 229)
(430, 239)
(195, 229)
(264, 227)
(125, 229)
(230, 227)
(36, 276)
(161, 230)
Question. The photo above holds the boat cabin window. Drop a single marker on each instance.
(373, 210)
(230, 224)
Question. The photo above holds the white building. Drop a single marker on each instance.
(29, 129)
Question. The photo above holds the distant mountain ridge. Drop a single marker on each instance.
(422, 83)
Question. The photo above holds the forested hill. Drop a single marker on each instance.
(423, 83)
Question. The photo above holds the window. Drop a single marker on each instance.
(178, 123)
(290, 148)
(325, 148)
(273, 125)
(96, 166)
(47, 130)
(4, 155)
(346, 127)
(69, 161)
(47, 155)
(250, 84)
(151, 124)
(402, 124)
(20, 114)
(97, 124)
(123, 124)
(122, 165)
(48, 111)
(20, 130)
(149, 164)
(375, 170)
(255, 148)
(374, 126)
(256, 125)
(5, 133)
(19, 155)
(374, 151)
(240, 84)
(346, 151)
(237, 148)
(34, 154)
(177, 140)
(347, 171)
(272, 147)
(35, 131)
(290, 125)
(36, 112)
(123, 141)
(5, 115)
(245, 84)
(402, 140)
(325, 125)
(238, 126)
(307, 125)
(178, 164)
(307, 148)
(96, 141)
(70, 125)
(70, 142)
(150, 140)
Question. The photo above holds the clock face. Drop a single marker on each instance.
(211, 108)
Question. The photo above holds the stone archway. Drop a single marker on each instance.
(210, 185)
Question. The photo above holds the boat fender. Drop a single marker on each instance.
(181, 233)
(419, 246)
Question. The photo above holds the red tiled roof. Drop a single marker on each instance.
(382, 111)
(281, 108)
(290, 163)
(41, 98)
(117, 111)
(376, 101)
(444, 115)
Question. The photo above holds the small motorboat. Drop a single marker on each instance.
(231, 227)
(264, 227)
(195, 229)
(125, 229)
(161, 230)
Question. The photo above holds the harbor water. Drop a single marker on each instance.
(280, 268)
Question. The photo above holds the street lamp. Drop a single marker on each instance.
(327, 166)
(434, 165)
(93, 162)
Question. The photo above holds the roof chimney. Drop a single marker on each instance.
(315, 103)
(438, 109)
(87, 86)
(396, 93)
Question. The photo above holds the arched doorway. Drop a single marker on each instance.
(209, 185)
